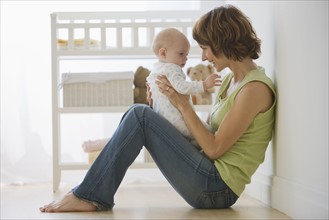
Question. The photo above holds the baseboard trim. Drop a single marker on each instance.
(291, 198)
(298, 201)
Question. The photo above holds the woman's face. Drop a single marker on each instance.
(220, 62)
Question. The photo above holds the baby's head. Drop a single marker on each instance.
(171, 46)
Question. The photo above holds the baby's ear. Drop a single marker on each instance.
(162, 52)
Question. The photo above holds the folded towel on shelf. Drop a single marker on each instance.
(94, 145)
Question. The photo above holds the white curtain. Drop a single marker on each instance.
(26, 125)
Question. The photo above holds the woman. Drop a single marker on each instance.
(242, 116)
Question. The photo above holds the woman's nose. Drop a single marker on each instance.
(204, 56)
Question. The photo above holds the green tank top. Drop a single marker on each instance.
(240, 162)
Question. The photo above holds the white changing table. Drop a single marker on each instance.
(119, 35)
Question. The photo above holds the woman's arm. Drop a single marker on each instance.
(253, 98)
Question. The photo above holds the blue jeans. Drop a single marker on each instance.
(188, 170)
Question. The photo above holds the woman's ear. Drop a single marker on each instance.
(162, 52)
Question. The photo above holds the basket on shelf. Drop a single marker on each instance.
(97, 89)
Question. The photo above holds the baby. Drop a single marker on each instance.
(172, 47)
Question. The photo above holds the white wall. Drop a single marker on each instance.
(294, 177)
(300, 186)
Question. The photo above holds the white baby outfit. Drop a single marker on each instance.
(161, 103)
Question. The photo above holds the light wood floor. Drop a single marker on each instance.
(141, 201)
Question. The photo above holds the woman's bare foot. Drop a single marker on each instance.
(69, 203)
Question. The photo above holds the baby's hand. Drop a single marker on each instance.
(211, 81)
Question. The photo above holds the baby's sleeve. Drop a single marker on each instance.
(178, 80)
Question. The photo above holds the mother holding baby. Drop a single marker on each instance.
(242, 118)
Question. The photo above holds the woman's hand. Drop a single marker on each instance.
(178, 100)
(149, 95)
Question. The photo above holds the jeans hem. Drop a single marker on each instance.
(99, 207)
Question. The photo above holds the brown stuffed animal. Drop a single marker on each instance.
(199, 73)
(140, 85)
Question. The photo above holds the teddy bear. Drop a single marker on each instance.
(140, 85)
(199, 73)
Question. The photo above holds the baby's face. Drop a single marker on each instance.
(178, 52)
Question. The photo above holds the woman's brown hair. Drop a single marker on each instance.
(227, 30)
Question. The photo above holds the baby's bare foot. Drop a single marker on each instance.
(69, 203)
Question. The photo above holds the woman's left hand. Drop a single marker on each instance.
(178, 100)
